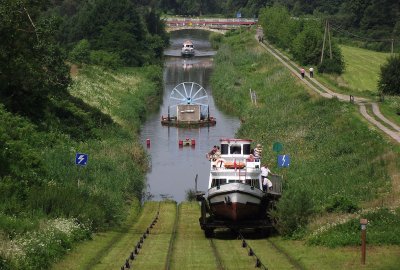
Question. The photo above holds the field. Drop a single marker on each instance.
(338, 163)
(362, 68)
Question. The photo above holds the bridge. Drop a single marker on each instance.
(219, 25)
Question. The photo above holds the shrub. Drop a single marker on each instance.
(341, 204)
(292, 212)
(389, 82)
(190, 195)
(383, 228)
(215, 40)
(81, 52)
(105, 59)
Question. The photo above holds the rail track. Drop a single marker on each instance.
(187, 248)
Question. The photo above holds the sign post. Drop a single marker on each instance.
(81, 160)
(283, 161)
(363, 223)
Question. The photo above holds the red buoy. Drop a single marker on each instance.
(180, 143)
(148, 142)
(193, 142)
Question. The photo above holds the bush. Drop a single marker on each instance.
(341, 204)
(215, 40)
(389, 82)
(105, 59)
(292, 212)
(383, 228)
(190, 195)
(331, 66)
(81, 52)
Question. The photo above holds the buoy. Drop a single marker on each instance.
(193, 142)
(148, 142)
(180, 142)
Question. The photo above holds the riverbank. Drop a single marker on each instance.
(337, 161)
(102, 118)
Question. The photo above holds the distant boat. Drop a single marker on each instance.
(187, 49)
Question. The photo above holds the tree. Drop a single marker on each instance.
(389, 82)
(32, 67)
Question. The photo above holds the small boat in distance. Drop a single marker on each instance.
(187, 49)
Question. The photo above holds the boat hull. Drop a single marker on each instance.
(236, 202)
(187, 53)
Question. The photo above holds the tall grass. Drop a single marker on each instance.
(95, 196)
(332, 152)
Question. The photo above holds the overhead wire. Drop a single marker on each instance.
(341, 30)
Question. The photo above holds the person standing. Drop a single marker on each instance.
(311, 72)
(302, 71)
(258, 151)
(267, 184)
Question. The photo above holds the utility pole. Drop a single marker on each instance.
(329, 37)
(323, 43)
(392, 45)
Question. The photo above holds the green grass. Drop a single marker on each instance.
(191, 249)
(87, 254)
(332, 152)
(155, 247)
(97, 195)
(362, 68)
(317, 257)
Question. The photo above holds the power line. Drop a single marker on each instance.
(343, 31)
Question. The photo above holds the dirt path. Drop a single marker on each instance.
(377, 119)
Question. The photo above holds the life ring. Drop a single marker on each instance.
(220, 162)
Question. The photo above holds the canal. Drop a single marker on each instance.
(173, 168)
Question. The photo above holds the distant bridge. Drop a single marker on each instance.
(219, 25)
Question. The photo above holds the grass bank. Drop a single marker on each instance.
(337, 160)
(361, 77)
(100, 117)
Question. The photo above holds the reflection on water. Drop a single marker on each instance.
(174, 169)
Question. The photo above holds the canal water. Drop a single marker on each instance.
(173, 168)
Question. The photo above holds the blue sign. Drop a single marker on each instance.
(283, 161)
(81, 159)
(239, 15)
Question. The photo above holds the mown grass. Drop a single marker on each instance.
(362, 68)
(155, 247)
(317, 257)
(332, 152)
(191, 249)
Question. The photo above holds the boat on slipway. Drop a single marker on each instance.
(235, 197)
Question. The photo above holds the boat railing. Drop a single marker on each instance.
(276, 184)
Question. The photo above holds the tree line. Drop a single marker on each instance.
(39, 40)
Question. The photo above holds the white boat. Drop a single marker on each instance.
(187, 49)
(235, 186)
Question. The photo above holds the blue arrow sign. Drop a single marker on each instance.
(283, 161)
(81, 159)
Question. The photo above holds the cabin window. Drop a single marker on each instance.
(224, 149)
(236, 149)
(246, 149)
(218, 182)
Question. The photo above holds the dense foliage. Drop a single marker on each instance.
(303, 38)
(32, 68)
(115, 29)
(46, 201)
(389, 82)
(333, 154)
(369, 23)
